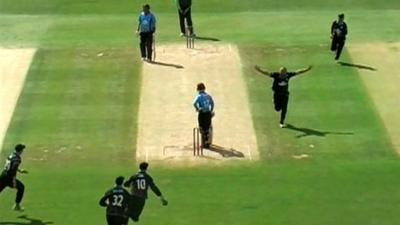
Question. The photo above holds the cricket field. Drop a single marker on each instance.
(74, 90)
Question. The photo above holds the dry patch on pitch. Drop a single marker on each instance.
(14, 65)
(166, 113)
(379, 68)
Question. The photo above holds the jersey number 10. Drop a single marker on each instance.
(141, 184)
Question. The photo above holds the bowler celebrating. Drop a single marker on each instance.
(280, 87)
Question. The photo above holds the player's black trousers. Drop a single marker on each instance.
(7, 182)
(281, 102)
(136, 205)
(337, 45)
(146, 42)
(117, 220)
(188, 17)
(204, 120)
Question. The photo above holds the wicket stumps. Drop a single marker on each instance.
(197, 145)
(189, 39)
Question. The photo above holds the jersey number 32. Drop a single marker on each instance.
(117, 201)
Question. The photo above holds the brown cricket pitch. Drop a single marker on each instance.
(167, 116)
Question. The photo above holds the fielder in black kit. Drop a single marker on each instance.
(338, 35)
(185, 14)
(116, 200)
(139, 184)
(280, 88)
(8, 177)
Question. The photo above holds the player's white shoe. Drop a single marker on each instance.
(282, 125)
(18, 207)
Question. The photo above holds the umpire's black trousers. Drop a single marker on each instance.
(136, 205)
(6, 181)
(146, 42)
(281, 102)
(117, 220)
(337, 45)
(188, 17)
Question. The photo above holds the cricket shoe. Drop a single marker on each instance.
(18, 207)
(182, 35)
(282, 125)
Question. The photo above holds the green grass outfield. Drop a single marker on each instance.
(78, 113)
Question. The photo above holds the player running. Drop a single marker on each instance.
(8, 177)
(204, 105)
(338, 35)
(116, 200)
(139, 184)
(280, 87)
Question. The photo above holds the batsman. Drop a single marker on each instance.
(204, 105)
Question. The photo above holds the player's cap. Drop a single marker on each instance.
(143, 166)
(341, 15)
(119, 180)
(147, 6)
(201, 87)
(19, 147)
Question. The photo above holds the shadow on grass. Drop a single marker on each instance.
(311, 132)
(27, 221)
(166, 64)
(357, 66)
(226, 152)
(207, 38)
